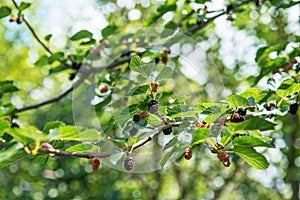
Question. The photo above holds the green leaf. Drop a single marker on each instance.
(10, 155)
(215, 113)
(56, 56)
(52, 125)
(200, 135)
(58, 69)
(237, 101)
(164, 74)
(7, 87)
(48, 37)
(116, 156)
(135, 62)
(171, 25)
(81, 35)
(167, 157)
(109, 30)
(171, 143)
(26, 135)
(252, 157)
(185, 114)
(250, 141)
(259, 53)
(7, 109)
(284, 91)
(138, 90)
(89, 134)
(24, 5)
(258, 94)
(66, 133)
(3, 125)
(4, 11)
(166, 8)
(147, 134)
(91, 41)
(254, 123)
(42, 61)
(79, 148)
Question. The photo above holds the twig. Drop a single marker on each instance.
(52, 100)
(137, 145)
(32, 30)
(58, 152)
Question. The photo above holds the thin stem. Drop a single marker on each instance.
(52, 100)
(137, 145)
(32, 30)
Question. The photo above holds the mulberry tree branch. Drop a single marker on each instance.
(137, 145)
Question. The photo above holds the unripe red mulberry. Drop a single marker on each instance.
(224, 158)
(103, 88)
(154, 86)
(188, 154)
(237, 118)
(270, 106)
(96, 51)
(95, 164)
(143, 114)
(165, 59)
(47, 146)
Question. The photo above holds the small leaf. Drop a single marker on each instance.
(258, 94)
(250, 141)
(52, 125)
(120, 139)
(254, 123)
(164, 74)
(237, 101)
(66, 133)
(91, 41)
(81, 35)
(252, 157)
(79, 148)
(135, 62)
(147, 134)
(7, 87)
(138, 90)
(24, 5)
(171, 143)
(42, 61)
(4, 11)
(56, 56)
(90, 135)
(3, 125)
(10, 155)
(284, 92)
(166, 8)
(116, 156)
(167, 157)
(48, 37)
(58, 69)
(26, 134)
(7, 109)
(109, 30)
(200, 135)
(214, 113)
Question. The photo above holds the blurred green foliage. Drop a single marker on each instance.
(274, 43)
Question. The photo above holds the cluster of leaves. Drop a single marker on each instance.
(236, 126)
